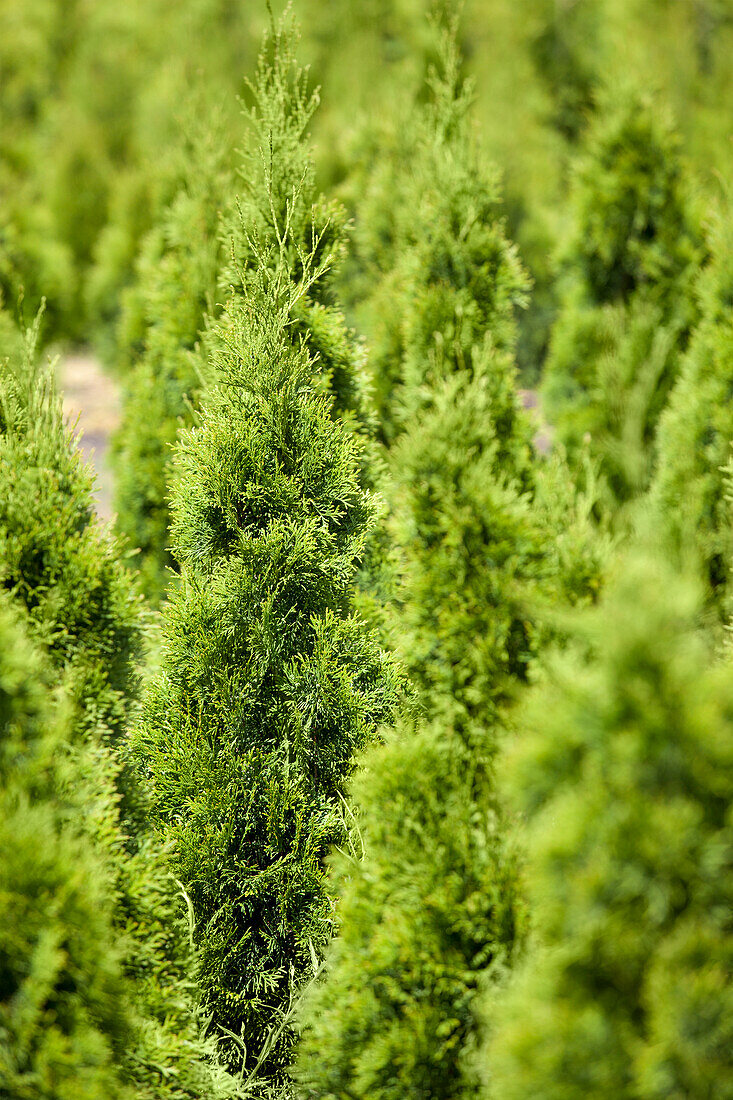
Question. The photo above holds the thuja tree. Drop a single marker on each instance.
(695, 433)
(65, 1007)
(430, 905)
(35, 42)
(79, 602)
(433, 262)
(56, 558)
(626, 304)
(269, 682)
(566, 50)
(175, 286)
(281, 221)
(191, 260)
(623, 771)
(435, 908)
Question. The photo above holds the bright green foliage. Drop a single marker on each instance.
(65, 1013)
(565, 49)
(696, 430)
(434, 911)
(431, 246)
(429, 909)
(281, 222)
(269, 682)
(80, 603)
(32, 48)
(464, 522)
(624, 773)
(482, 544)
(177, 273)
(627, 303)
(57, 559)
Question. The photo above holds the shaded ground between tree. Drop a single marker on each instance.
(92, 403)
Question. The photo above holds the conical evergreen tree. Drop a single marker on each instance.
(435, 909)
(66, 1016)
(80, 604)
(269, 682)
(282, 221)
(190, 256)
(432, 250)
(624, 776)
(627, 305)
(177, 272)
(695, 433)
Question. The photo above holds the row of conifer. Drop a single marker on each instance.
(411, 777)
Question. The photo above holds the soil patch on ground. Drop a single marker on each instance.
(91, 406)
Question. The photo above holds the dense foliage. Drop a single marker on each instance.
(431, 906)
(379, 747)
(269, 682)
(627, 306)
(64, 573)
(622, 768)
(65, 1012)
(696, 431)
(435, 909)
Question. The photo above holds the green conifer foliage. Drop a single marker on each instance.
(80, 603)
(624, 773)
(485, 535)
(282, 221)
(174, 297)
(626, 308)
(429, 908)
(177, 273)
(696, 430)
(565, 48)
(269, 682)
(435, 909)
(65, 1013)
(57, 559)
(432, 250)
